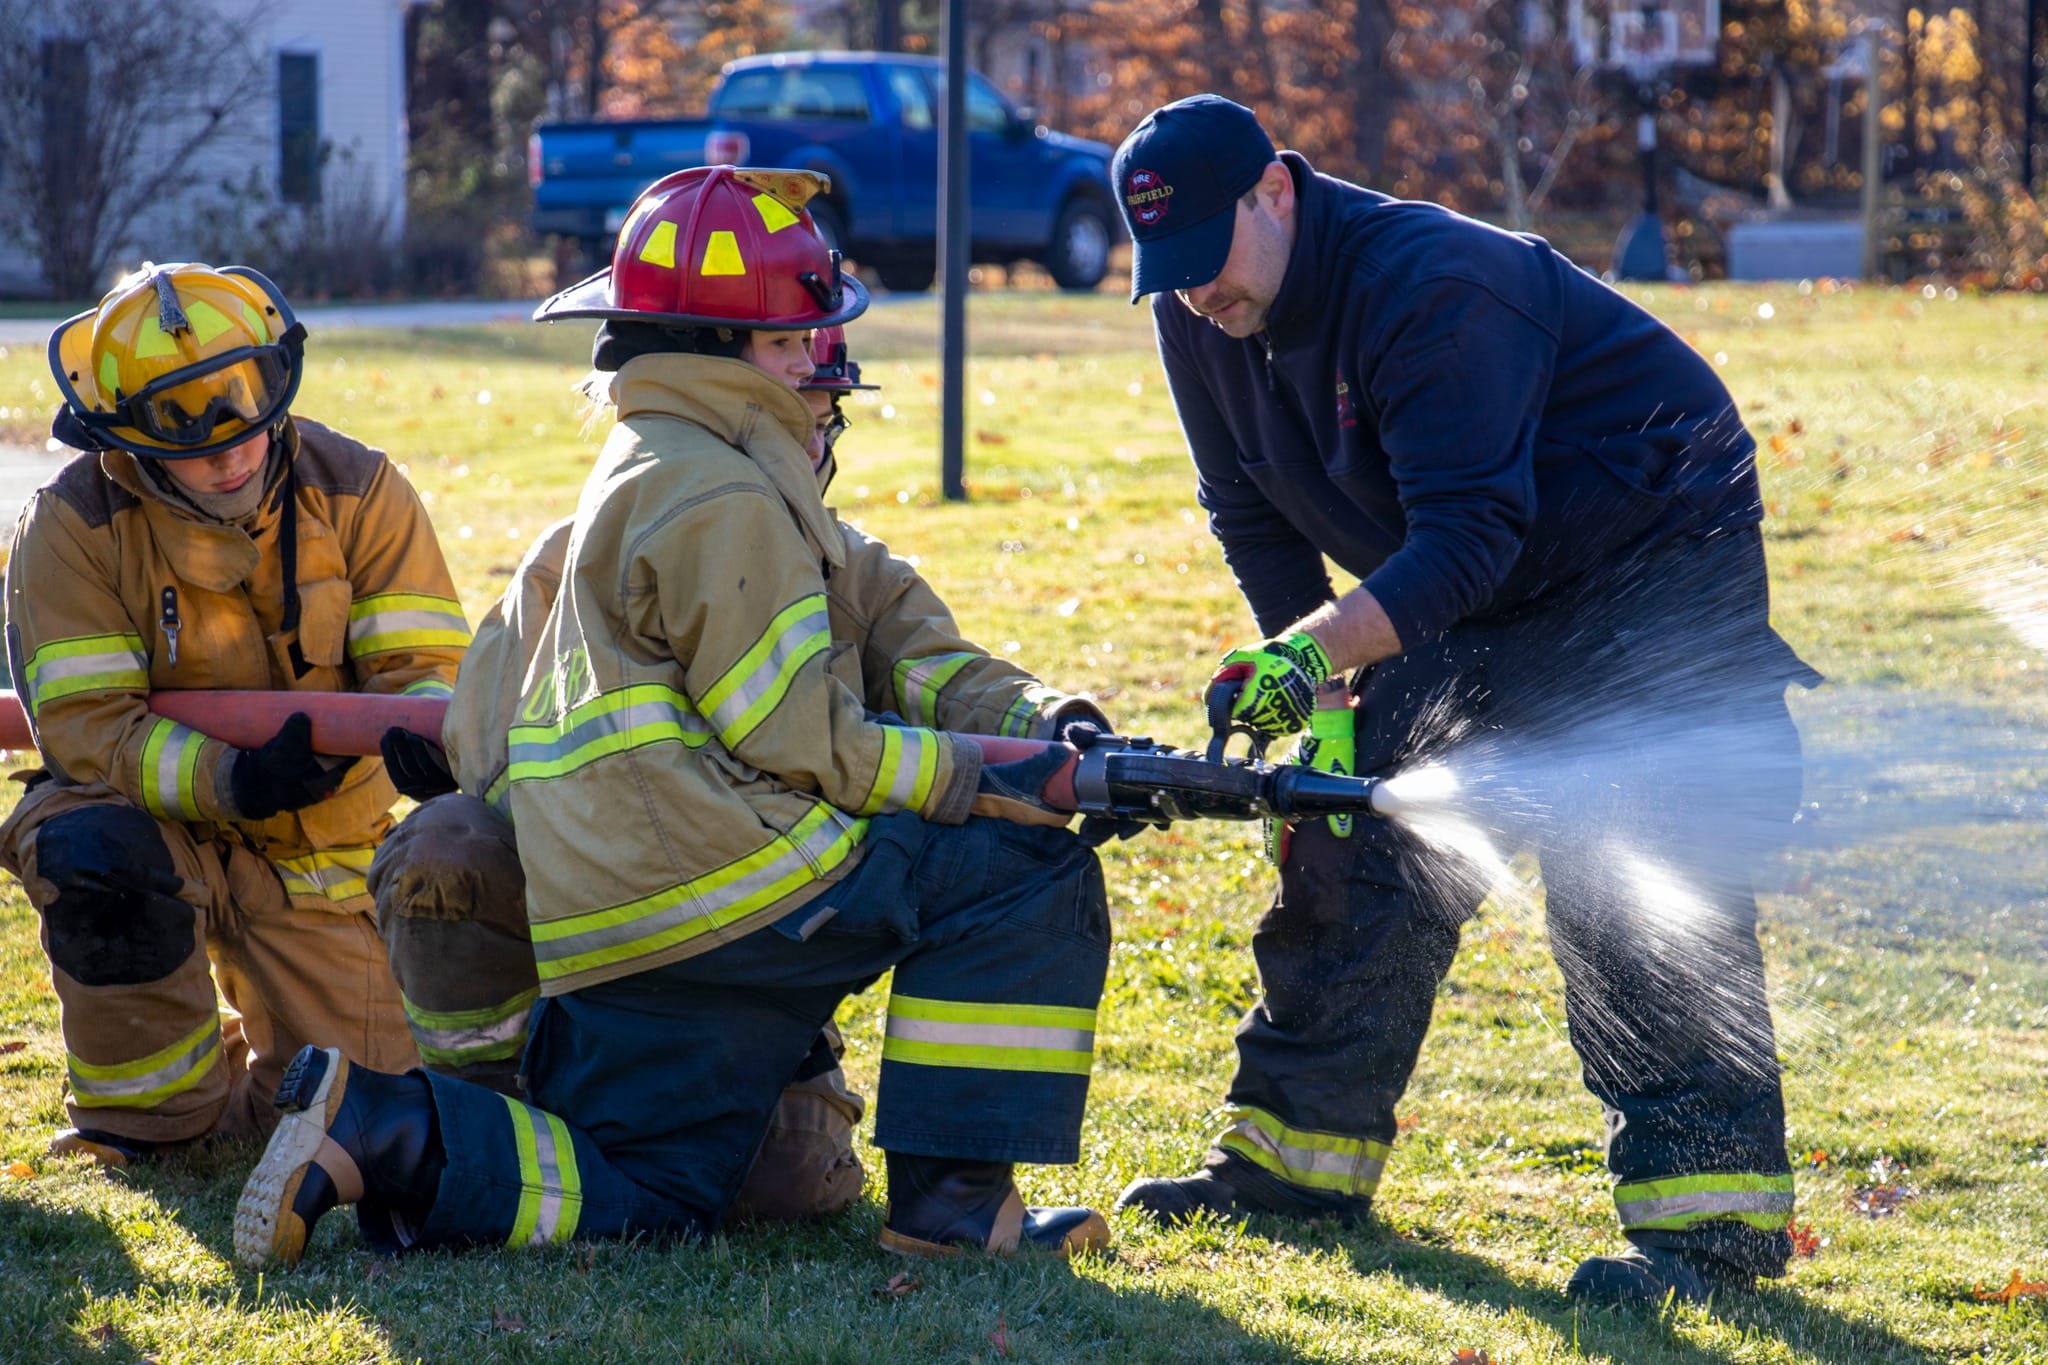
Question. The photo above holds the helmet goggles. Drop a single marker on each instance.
(183, 407)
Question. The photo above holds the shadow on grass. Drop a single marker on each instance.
(57, 1262)
(1773, 1312)
(810, 1293)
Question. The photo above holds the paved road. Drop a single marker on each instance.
(36, 331)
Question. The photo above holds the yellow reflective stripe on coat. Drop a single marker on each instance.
(920, 681)
(338, 874)
(85, 663)
(751, 689)
(1022, 718)
(1315, 1161)
(1680, 1201)
(458, 1038)
(609, 723)
(170, 765)
(427, 687)
(1056, 1038)
(819, 842)
(404, 620)
(903, 778)
(148, 1081)
(550, 1189)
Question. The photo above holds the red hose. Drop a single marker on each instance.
(352, 723)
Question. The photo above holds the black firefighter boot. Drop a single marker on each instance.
(1233, 1189)
(383, 1125)
(1646, 1276)
(941, 1206)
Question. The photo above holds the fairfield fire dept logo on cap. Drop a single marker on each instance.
(1148, 196)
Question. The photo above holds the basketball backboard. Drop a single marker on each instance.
(1643, 37)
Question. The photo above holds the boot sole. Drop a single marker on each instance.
(267, 1232)
(1090, 1235)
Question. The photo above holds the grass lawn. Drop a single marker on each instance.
(1904, 467)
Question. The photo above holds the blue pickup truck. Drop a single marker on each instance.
(870, 122)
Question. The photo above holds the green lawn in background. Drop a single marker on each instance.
(1904, 467)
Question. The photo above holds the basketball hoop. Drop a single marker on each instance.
(1645, 37)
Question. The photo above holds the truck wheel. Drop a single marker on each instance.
(1078, 256)
(907, 274)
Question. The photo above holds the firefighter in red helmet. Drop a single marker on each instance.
(737, 803)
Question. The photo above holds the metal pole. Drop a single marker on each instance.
(1873, 153)
(953, 243)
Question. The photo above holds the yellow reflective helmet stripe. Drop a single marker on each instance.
(389, 621)
(209, 322)
(751, 689)
(722, 256)
(920, 681)
(989, 1037)
(550, 1187)
(1300, 1156)
(147, 1081)
(775, 215)
(823, 839)
(150, 341)
(170, 765)
(110, 375)
(1761, 1201)
(86, 663)
(457, 1038)
(661, 245)
(335, 874)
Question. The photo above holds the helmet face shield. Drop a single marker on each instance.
(185, 406)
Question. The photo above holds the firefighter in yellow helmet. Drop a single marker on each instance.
(206, 538)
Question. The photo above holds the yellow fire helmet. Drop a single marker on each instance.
(180, 361)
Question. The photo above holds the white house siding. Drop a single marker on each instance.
(361, 50)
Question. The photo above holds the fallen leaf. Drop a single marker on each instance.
(1000, 1339)
(13, 1045)
(901, 1283)
(1795, 426)
(101, 1331)
(2013, 1290)
(1905, 533)
(1805, 1241)
(507, 1322)
(376, 1270)
(1467, 1356)
(991, 438)
(21, 1170)
(1779, 445)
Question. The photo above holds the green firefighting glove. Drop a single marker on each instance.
(1330, 746)
(1276, 684)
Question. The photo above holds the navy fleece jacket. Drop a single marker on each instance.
(1455, 414)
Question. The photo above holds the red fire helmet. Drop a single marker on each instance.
(830, 369)
(720, 246)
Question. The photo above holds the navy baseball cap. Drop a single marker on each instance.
(1179, 176)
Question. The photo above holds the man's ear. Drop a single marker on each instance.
(1276, 187)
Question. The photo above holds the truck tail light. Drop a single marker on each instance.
(725, 147)
(533, 161)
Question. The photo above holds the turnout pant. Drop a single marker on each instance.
(1635, 735)
(451, 905)
(142, 919)
(648, 1098)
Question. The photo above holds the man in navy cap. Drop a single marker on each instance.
(1551, 506)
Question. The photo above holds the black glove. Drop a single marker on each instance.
(1015, 790)
(283, 773)
(418, 766)
(1078, 716)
